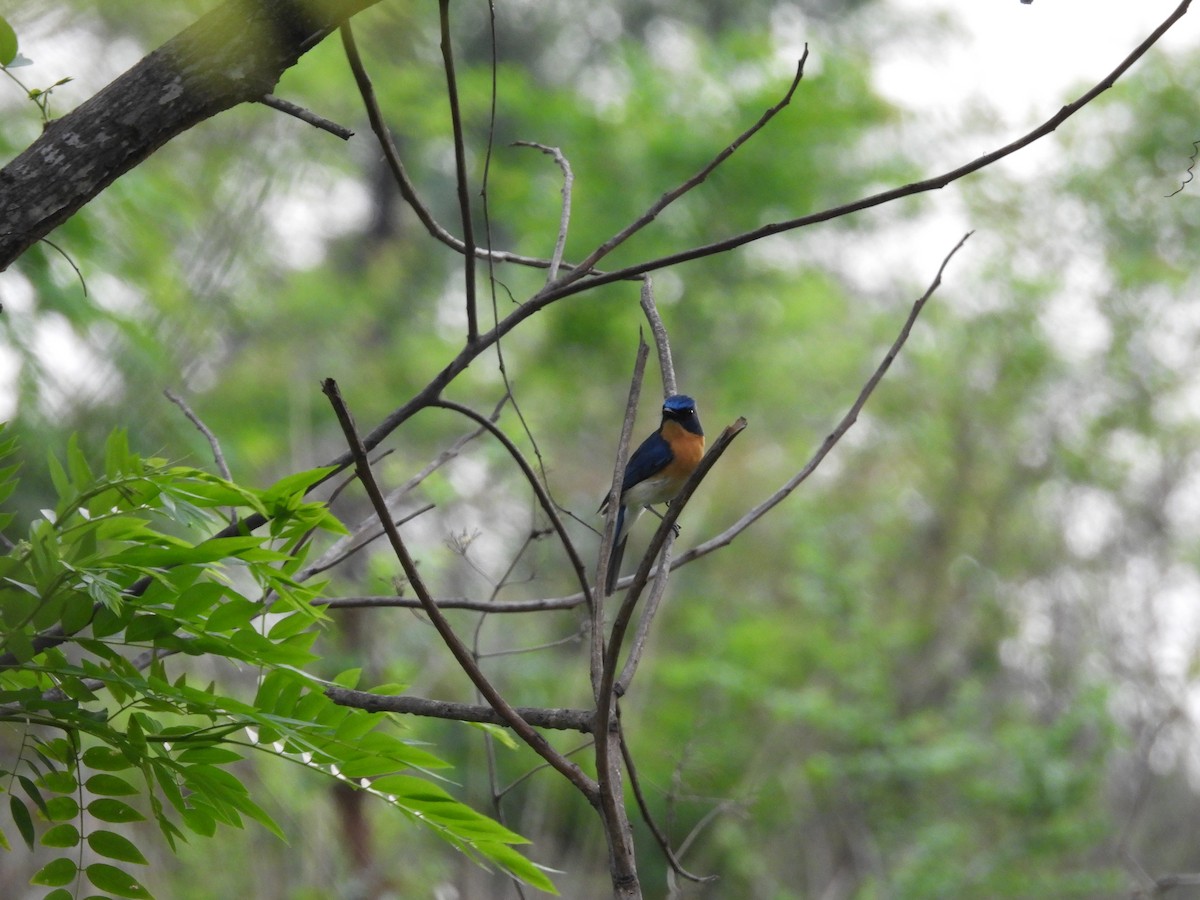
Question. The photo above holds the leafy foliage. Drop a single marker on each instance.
(112, 585)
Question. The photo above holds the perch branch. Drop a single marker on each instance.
(461, 653)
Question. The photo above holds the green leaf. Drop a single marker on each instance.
(114, 846)
(110, 785)
(212, 550)
(298, 483)
(111, 879)
(199, 821)
(108, 810)
(516, 865)
(232, 615)
(34, 794)
(56, 873)
(64, 835)
(61, 894)
(59, 782)
(105, 759)
(60, 809)
(8, 42)
(209, 755)
(20, 816)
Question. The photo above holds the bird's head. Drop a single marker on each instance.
(682, 409)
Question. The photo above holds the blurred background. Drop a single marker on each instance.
(958, 662)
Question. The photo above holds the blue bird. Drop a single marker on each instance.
(656, 472)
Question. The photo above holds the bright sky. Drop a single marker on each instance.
(1026, 59)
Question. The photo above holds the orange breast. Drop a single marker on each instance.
(687, 447)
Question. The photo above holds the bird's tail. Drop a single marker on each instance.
(618, 551)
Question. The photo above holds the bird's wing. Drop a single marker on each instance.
(648, 460)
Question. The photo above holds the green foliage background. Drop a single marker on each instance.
(956, 663)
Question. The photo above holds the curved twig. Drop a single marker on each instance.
(531, 477)
(675, 193)
(659, 836)
(834, 436)
(564, 219)
(461, 653)
(575, 282)
(460, 172)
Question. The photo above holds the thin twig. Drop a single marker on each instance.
(70, 262)
(306, 115)
(675, 193)
(213, 443)
(557, 719)
(488, 606)
(523, 729)
(612, 505)
(564, 219)
(661, 341)
(460, 173)
(571, 284)
(834, 436)
(351, 542)
(663, 842)
(530, 476)
(649, 610)
(391, 155)
(362, 538)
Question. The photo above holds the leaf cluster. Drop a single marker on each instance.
(118, 579)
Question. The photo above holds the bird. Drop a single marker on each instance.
(656, 472)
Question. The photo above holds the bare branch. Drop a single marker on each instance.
(843, 426)
(663, 842)
(460, 173)
(213, 443)
(487, 606)
(575, 282)
(530, 476)
(661, 341)
(675, 193)
(461, 653)
(564, 220)
(306, 115)
(558, 719)
(391, 155)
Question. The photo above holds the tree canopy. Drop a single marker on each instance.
(953, 657)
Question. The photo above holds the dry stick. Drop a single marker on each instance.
(564, 218)
(460, 173)
(363, 538)
(672, 195)
(608, 770)
(306, 115)
(461, 653)
(834, 436)
(664, 842)
(659, 588)
(531, 477)
(613, 504)
(488, 606)
(213, 443)
(570, 284)
(665, 529)
(661, 341)
(558, 719)
(391, 155)
(339, 550)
